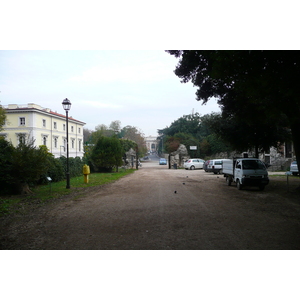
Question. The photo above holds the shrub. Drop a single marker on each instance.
(107, 153)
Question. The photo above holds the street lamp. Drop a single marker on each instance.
(67, 106)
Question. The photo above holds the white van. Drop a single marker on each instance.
(215, 166)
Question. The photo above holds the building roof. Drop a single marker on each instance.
(36, 107)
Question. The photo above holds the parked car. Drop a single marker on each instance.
(162, 161)
(294, 168)
(194, 163)
(215, 166)
(205, 165)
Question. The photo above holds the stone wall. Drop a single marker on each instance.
(179, 156)
(276, 159)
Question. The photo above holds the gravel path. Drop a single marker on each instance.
(158, 208)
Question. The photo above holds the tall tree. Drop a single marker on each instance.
(134, 134)
(258, 87)
(195, 130)
(189, 124)
(115, 126)
(107, 153)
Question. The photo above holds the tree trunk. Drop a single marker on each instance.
(22, 188)
(295, 127)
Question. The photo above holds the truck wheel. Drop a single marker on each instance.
(228, 181)
(238, 185)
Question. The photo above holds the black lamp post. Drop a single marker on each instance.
(67, 106)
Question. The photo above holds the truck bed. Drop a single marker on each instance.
(228, 167)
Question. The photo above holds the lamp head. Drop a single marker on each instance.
(66, 104)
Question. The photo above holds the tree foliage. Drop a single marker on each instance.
(107, 153)
(257, 90)
(189, 124)
(193, 130)
(6, 155)
(134, 134)
(172, 143)
(114, 130)
(2, 117)
(23, 165)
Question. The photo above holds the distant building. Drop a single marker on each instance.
(151, 143)
(31, 122)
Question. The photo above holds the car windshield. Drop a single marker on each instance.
(253, 165)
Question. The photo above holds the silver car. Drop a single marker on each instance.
(194, 163)
(294, 168)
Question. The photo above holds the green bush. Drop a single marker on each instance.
(6, 153)
(25, 166)
(75, 165)
(107, 154)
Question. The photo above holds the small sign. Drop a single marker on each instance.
(288, 173)
(193, 147)
(49, 179)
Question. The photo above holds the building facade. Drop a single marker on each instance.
(31, 122)
(151, 143)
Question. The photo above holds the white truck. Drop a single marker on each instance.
(246, 172)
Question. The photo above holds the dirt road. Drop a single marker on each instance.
(158, 208)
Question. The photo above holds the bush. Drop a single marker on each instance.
(75, 165)
(107, 154)
(6, 152)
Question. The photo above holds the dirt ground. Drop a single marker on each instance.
(161, 208)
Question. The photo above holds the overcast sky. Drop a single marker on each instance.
(138, 88)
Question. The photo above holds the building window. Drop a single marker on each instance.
(79, 130)
(22, 121)
(72, 128)
(55, 142)
(64, 127)
(55, 125)
(44, 123)
(44, 140)
(73, 142)
(21, 138)
(79, 145)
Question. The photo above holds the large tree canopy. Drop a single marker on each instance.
(257, 88)
(193, 130)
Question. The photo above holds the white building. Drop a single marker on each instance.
(31, 122)
(151, 143)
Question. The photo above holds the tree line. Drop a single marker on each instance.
(256, 90)
(106, 146)
(193, 130)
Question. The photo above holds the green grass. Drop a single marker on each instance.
(45, 193)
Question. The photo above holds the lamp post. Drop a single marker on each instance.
(67, 106)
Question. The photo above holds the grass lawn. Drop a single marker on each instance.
(45, 193)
